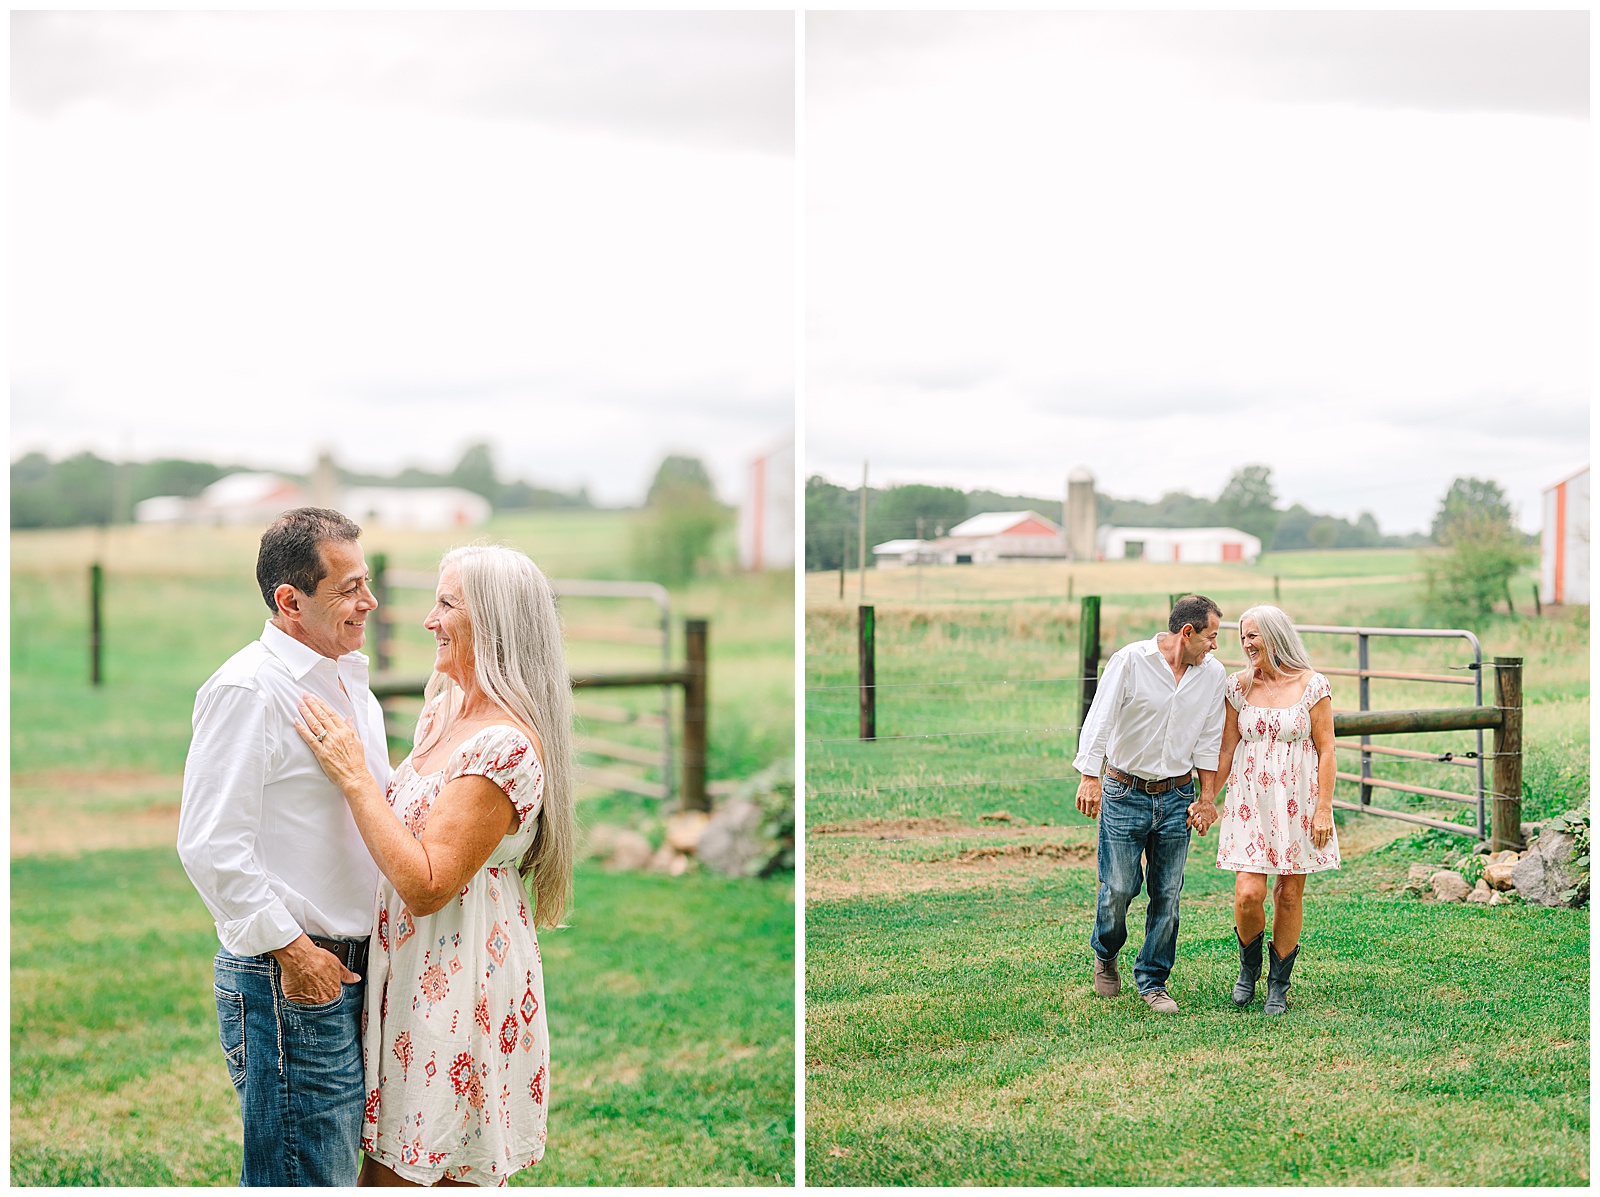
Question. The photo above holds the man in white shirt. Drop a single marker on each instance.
(1157, 717)
(270, 844)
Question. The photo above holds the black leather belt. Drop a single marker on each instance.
(352, 953)
(1149, 787)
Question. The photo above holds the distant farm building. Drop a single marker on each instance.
(234, 499)
(1564, 542)
(424, 508)
(766, 516)
(1188, 546)
(997, 536)
(258, 499)
(897, 554)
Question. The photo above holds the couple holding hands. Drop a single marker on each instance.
(1166, 708)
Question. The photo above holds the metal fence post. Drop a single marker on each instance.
(867, 656)
(694, 716)
(1363, 664)
(1088, 653)
(1508, 755)
(96, 587)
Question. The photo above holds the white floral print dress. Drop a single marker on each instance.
(454, 1037)
(1272, 788)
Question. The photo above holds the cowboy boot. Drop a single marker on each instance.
(1278, 980)
(1244, 989)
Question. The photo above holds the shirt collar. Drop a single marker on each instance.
(300, 659)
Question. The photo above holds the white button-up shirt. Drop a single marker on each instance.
(1145, 723)
(266, 838)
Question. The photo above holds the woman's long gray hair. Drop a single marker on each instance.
(1285, 650)
(521, 665)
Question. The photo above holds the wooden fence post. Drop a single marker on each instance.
(96, 588)
(384, 630)
(694, 716)
(1088, 653)
(1507, 824)
(867, 657)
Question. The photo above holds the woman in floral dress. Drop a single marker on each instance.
(455, 1042)
(1277, 754)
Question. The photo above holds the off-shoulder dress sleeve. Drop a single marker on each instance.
(506, 757)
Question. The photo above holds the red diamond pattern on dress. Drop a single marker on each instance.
(498, 943)
(508, 1035)
(530, 1006)
(536, 1086)
(482, 1011)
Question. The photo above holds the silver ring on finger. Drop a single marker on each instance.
(322, 735)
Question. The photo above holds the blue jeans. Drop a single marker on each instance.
(298, 1073)
(1154, 825)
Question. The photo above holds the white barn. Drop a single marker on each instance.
(1187, 546)
(766, 516)
(1564, 542)
(996, 536)
(424, 508)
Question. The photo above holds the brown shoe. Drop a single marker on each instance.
(1158, 1001)
(1107, 980)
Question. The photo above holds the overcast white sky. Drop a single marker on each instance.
(240, 236)
(1352, 246)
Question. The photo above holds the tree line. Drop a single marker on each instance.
(87, 489)
(1248, 502)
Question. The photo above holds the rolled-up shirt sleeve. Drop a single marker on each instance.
(1096, 733)
(1208, 748)
(223, 782)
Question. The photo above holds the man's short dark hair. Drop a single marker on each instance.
(291, 550)
(1194, 610)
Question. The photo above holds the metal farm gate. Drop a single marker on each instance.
(651, 630)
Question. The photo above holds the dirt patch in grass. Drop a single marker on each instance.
(889, 829)
(1077, 853)
(71, 812)
(842, 874)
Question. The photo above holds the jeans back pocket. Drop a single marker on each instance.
(230, 1029)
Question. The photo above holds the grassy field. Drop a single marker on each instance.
(952, 1035)
(671, 1000)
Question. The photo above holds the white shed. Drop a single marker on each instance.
(895, 554)
(1187, 546)
(1564, 542)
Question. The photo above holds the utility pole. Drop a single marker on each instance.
(861, 559)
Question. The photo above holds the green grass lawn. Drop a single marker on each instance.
(952, 1034)
(671, 1000)
(671, 1017)
(953, 1038)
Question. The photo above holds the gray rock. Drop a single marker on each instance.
(1449, 886)
(1419, 872)
(1503, 899)
(731, 842)
(1509, 856)
(1483, 849)
(1481, 895)
(1530, 832)
(1545, 870)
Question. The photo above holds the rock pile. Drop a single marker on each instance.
(1538, 876)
